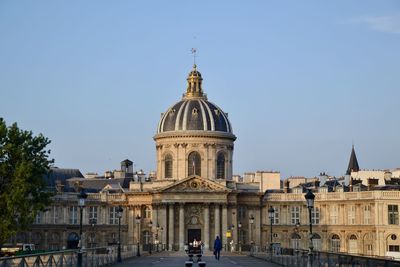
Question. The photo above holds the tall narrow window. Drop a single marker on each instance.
(73, 214)
(335, 243)
(353, 246)
(242, 212)
(367, 214)
(334, 214)
(220, 166)
(168, 166)
(295, 241)
(93, 211)
(194, 164)
(315, 215)
(393, 214)
(352, 214)
(316, 240)
(113, 215)
(295, 214)
(276, 215)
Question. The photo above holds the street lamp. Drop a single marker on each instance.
(251, 221)
(138, 237)
(119, 214)
(81, 203)
(151, 235)
(240, 236)
(310, 205)
(271, 212)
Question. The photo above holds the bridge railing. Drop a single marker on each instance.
(92, 257)
(299, 258)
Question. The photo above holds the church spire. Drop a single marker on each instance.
(353, 163)
(194, 88)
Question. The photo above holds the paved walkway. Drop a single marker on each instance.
(176, 259)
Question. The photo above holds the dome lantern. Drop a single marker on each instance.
(194, 88)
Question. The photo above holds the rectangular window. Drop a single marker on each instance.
(93, 211)
(295, 214)
(317, 244)
(315, 215)
(275, 220)
(38, 218)
(351, 214)
(367, 214)
(73, 215)
(54, 215)
(394, 248)
(113, 215)
(242, 212)
(335, 245)
(393, 213)
(295, 243)
(334, 215)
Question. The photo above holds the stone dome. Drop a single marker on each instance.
(194, 112)
(194, 115)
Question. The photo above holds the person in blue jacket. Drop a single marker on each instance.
(217, 247)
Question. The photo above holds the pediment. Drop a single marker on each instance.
(195, 184)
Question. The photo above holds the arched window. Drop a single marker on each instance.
(295, 240)
(353, 248)
(316, 240)
(335, 243)
(168, 166)
(220, 166)
(194, 164)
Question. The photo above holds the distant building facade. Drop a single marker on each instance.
(360, 217)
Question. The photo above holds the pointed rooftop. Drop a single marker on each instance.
(353, 163)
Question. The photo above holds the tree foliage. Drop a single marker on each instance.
(24, 162)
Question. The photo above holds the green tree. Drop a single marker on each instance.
(24, 162)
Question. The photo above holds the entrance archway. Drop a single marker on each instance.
(193, 234)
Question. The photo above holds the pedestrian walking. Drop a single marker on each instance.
(217, 247)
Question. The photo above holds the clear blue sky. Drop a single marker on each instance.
(301, 80)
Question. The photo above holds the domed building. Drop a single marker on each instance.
(192, 195)
(194, 137)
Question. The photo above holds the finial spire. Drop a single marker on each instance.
(194, 51)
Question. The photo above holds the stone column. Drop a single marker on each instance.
(235, 222)
(257, 224)
(136, 211)
(163, 224)
(217, 221)
(181, 226)
(206, 227)
(171, 227)
(154, 219)
(131, 228)
(224, 226)
(251, 226)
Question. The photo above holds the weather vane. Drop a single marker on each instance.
(194, 51)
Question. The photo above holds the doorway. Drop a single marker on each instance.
(194, 234)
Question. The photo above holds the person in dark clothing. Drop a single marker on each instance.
(217, 247)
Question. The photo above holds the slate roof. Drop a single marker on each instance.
(62, 175)
(353, 163)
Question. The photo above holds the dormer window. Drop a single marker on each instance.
(194, 111)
